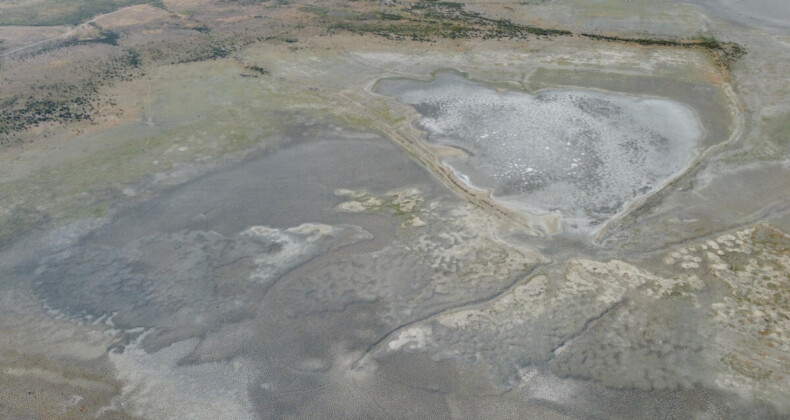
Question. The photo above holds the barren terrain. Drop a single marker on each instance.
(399, 209)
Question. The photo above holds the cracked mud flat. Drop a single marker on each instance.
(287, 242)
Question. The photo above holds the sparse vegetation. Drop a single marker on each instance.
(103, 37)
(423, 20)
(131, 58)
(390, 16)
(428, 20)
(210, 52)
(639, 41)
(244, 2)
(56, 12)
(63, 102)
(725, 53)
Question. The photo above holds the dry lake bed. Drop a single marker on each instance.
(404, 209)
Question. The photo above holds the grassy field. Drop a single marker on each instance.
(59, 12)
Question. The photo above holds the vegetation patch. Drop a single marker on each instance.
(258, 70)
(427, 20)
(102, 37)
(63, 102)
(725, 53)
(212, 52)
(75, 96)
(423, 20)
(639, 41)
(245, 2)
